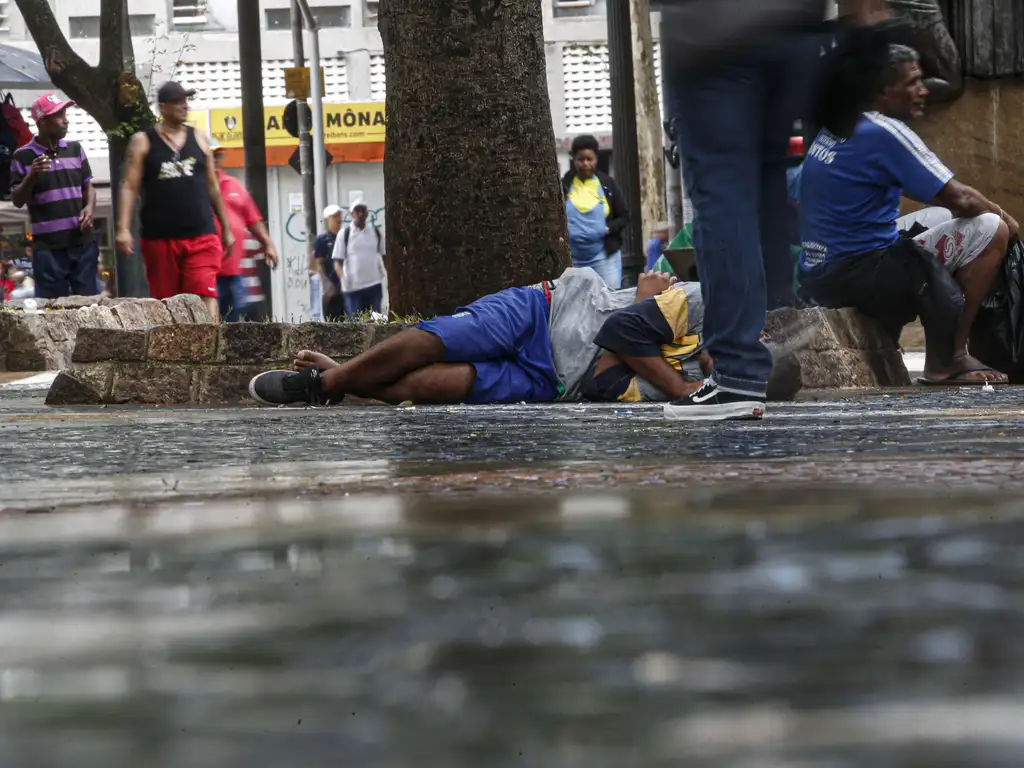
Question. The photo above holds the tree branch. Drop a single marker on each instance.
(58, 56)
(116, 52)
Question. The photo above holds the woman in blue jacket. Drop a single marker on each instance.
(596, 213)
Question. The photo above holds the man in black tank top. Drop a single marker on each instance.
(173, 166)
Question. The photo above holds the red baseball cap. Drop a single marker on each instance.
(49, 104)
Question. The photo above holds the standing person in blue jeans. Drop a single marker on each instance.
(735, 90)
(359, 263)
(53, 178)
(596, 214)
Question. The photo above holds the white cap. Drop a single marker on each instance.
(356, 204)
(331, 210)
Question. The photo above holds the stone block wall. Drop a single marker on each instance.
(45, 340)
(833, 349)
(196, 364)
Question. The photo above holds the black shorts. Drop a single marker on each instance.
(893, 286)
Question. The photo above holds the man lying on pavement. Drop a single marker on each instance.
(853, 254)
(559, 340)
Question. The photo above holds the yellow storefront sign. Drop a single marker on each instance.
(355, 123)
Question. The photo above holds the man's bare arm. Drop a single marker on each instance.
(135, 158)
(965, 202)
(134, 162)
(656, 371)
(262, 234)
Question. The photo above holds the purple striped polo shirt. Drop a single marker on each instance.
(57, 198)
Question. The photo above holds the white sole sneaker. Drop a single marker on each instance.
(742, 410)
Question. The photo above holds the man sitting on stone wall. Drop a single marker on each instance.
(853, 253)
(561, 340)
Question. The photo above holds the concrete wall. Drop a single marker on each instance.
(981, 138)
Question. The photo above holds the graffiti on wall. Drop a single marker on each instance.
(295, 227)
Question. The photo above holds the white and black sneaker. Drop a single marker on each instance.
(287, 387)
(709, 403)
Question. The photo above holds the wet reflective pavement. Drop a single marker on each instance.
(840, 585)
(610, 630)
(67, 443)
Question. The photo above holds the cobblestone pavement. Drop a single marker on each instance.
(919, 438)
(555, 587)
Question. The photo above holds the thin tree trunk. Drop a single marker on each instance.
(648, 120)
(470, 172)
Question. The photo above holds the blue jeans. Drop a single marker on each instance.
(232, 298)
(63, 272)
(733, 126)
(608, 267)
(364, 300)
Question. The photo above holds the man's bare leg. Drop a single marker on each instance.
(437, 384)
(212, 307)
(976, 281)
(376, 368)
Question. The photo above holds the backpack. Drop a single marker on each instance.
(376, 230)
(14, 122)
(14, 133)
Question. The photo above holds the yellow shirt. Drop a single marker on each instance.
(587, 195)
(675, 309)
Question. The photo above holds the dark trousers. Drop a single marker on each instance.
(733, 125)
(334, 307)
(232, 298)
(893, 286)
(364, 300)
(60, 272)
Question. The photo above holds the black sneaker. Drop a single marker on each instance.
(287, 387)
(709, 403)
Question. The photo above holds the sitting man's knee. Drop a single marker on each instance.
(993, 222)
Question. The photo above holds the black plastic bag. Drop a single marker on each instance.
(997, 336)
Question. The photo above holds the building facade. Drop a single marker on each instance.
(196, 42)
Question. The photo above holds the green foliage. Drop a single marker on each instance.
(129, 128)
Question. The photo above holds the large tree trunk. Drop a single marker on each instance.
(470, 172)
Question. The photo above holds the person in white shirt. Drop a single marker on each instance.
(359, 262)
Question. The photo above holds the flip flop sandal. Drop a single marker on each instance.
(953, 380)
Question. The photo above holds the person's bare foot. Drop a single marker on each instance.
(307, 359)
(964, 369)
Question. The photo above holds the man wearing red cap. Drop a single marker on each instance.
(53, 178)
(172, 164)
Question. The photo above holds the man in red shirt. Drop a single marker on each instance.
(243, 214)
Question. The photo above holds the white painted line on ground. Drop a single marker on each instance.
(37, 381)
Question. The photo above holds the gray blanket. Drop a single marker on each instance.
(580, 304)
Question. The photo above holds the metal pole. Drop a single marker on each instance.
(317, 95)
(625, 152)
(673, 176)
(305, 140)
(250, 60)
